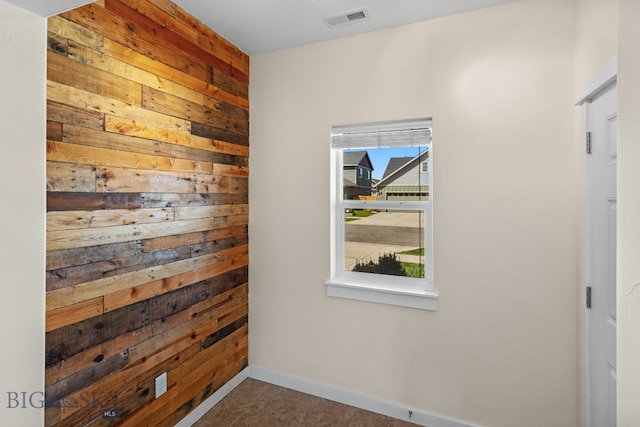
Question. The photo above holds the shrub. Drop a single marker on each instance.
(362, 213)
(387, 264)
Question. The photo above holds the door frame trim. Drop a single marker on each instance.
(604, 77)
(601, 79)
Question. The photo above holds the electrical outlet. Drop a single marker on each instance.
(161, 385)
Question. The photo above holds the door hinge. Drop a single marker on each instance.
(588, 296)
(588, 142)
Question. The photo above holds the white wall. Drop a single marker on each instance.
(22, 217)
(629, 215)
(596, 36)
(498, 83)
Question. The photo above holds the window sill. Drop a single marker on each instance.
(403, 296)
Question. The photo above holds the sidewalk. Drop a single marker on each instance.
(371, 251)
(394, 219)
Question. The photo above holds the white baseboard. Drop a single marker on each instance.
(351, 398)
(212, 400)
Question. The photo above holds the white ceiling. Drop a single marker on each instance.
(261, 26)
(48, 7)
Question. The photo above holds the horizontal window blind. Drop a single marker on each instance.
(388, 134)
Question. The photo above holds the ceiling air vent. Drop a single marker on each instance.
(345, 18)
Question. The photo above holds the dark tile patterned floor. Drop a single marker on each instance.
(256, 403)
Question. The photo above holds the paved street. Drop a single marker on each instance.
(399, 236)
(382, 233)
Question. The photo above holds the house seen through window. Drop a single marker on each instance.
(383, 216)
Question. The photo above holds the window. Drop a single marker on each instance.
(425, 166)
(382, 235)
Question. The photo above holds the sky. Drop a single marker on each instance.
(380, 157)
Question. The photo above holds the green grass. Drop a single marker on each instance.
(350, 218)
(362, 213)
(417, 251)
(413, 269)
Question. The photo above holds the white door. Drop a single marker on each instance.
(601, 168)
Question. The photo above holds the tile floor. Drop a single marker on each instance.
(256, 403)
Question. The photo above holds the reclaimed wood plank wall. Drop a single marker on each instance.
(147, 213)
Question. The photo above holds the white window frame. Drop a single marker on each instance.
(380, 288)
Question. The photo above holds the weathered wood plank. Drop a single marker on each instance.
(195, 91)
(66, 201)
(238, 185)
(156, 200)
(149, 131)
(71, 30)
(102, 61)
(163, 346)
(54, 131)
(195, 240)
(58, 279)
(57, 44)
(83, 99)
(211, 132)
(70, 177)
(66, 71)
(168, 76)
(233, 325)
(133, 180)
(116, 141)
(69, 115)
(56, 392)
(67, 341)
(168, 36)
(74, 153)
(167, 6)
(162, 243)
(67, 220)
(146, 77)
(230, 221)
(85, 291)
(64, 258)
(138, 341)
(76, 238)
(217, 245)
(236, 57)
(208, 40)
(137, 32)
(230, 170)
(225, 233)
(194, 212)
(128, 296)
(217, 114)
(74, 313)
(58, 369)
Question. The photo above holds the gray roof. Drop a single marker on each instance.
(397, 163)
(394, 164)
(354, 158)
